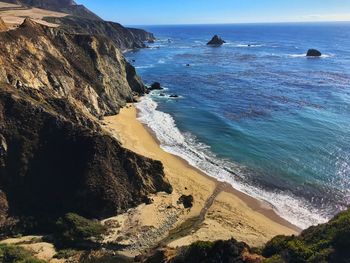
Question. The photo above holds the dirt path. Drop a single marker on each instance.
(193, 224)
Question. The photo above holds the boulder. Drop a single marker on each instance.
(313, 53)
(216, 41)
(174, 96)
(186, 200)
(155, 86)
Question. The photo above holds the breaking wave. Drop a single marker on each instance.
(294, 209)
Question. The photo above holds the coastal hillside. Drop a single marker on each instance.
(93, 169)
(54, 156)
(64, 6)
(323, 243)
(74, 19)
(124, 38)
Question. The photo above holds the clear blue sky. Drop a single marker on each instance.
(152, 12)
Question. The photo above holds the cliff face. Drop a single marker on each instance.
(124, 38)
(54, 157)
(83, 21)
(142, 34)
(90, 69)
(3, 26)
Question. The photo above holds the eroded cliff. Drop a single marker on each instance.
(54, 157)
(124, 38)
(90, 69)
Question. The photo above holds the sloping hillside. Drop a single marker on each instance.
(13, 15)
(55, 13)
(54, 157)
(64, 6)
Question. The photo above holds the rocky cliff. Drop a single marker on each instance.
(90, 69)
(3, 26)
(124, 38)
(83, 21)
(54, 157)
(142, 34)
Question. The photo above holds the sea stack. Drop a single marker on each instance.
(216, 41)
(313, 53)
(155, 86)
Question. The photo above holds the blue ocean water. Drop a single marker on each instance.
(256, 112)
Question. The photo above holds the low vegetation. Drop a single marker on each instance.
(74, 231)
(325, 243)
(220, 251)
(328, 242)
(16, 254)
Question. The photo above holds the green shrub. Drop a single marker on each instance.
(65, 253)
(274, 259)
(275, 246)
(328, 242)
(16, 254)
(76, 231)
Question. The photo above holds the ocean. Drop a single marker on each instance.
(256, 112)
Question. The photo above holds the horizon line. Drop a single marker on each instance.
(241, 23)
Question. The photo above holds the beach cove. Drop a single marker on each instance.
(218, 212)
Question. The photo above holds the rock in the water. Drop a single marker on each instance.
(313, 53)
(174, 96)
(155, 86)
(216, 41)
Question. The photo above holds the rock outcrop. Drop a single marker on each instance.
(124, 38)
(54, 156)
(313, 53)
(91, 69)
(142, 34)
(216, 41)
(83, 21)
(3, 26)
(155, 86)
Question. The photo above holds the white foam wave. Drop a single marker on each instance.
(248, 45)
(304, 56)
(144, 67)
(289, 207)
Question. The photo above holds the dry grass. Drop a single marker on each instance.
(14, 15)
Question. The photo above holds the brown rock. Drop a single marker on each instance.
(3, 26)
(55, 158)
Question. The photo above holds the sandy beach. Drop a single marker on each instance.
(218, 212)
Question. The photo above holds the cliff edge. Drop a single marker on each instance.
(54, 156)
